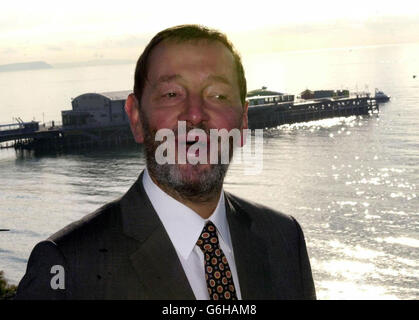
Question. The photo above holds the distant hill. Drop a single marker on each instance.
(98, 62)
(25, 66)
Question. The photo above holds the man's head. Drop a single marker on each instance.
(186, 33)
(193, 74)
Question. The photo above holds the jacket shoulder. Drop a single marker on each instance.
(38, 281)
(101, 220)
(272, 225)
(259, 212)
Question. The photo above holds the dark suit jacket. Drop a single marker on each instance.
(122, 251)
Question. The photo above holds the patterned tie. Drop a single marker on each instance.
(217, 271)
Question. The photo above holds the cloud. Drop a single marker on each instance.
(54, 48)
(9, 51)
(98, 55)
(127, 41)
(330, 34)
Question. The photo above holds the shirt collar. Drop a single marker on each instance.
(183, 225)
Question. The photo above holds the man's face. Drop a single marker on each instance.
(195, 82)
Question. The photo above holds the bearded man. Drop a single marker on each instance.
(176, 234)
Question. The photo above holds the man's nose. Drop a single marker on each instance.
(194, 111)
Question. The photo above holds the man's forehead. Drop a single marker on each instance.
(166, 78)
(170, 53)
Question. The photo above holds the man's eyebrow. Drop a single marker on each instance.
(168, 78)
(211, 78)
(219, 78)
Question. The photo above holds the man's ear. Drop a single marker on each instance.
(132, 108)
(245, 123)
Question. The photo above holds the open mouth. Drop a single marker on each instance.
(190, 143)
(200, 147)
(200, 142)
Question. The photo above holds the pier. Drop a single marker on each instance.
(273, 115)
(99, 120)
(60, 139)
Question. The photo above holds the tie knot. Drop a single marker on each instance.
(208, 240)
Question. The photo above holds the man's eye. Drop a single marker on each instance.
(220, 97)
(170, 95)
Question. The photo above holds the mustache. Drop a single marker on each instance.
(189, 128)
(185, 134)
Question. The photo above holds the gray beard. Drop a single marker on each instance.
(169, 176)
(205, 188)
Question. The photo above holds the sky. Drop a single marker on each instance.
(78, 31)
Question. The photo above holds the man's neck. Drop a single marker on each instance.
(204, 208)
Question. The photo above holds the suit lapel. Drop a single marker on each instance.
(155, 259)
(159, 268)
(250, 253)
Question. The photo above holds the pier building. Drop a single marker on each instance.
(96, 110)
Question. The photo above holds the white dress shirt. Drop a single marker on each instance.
(184, 226)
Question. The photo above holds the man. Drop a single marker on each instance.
(176, 234)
